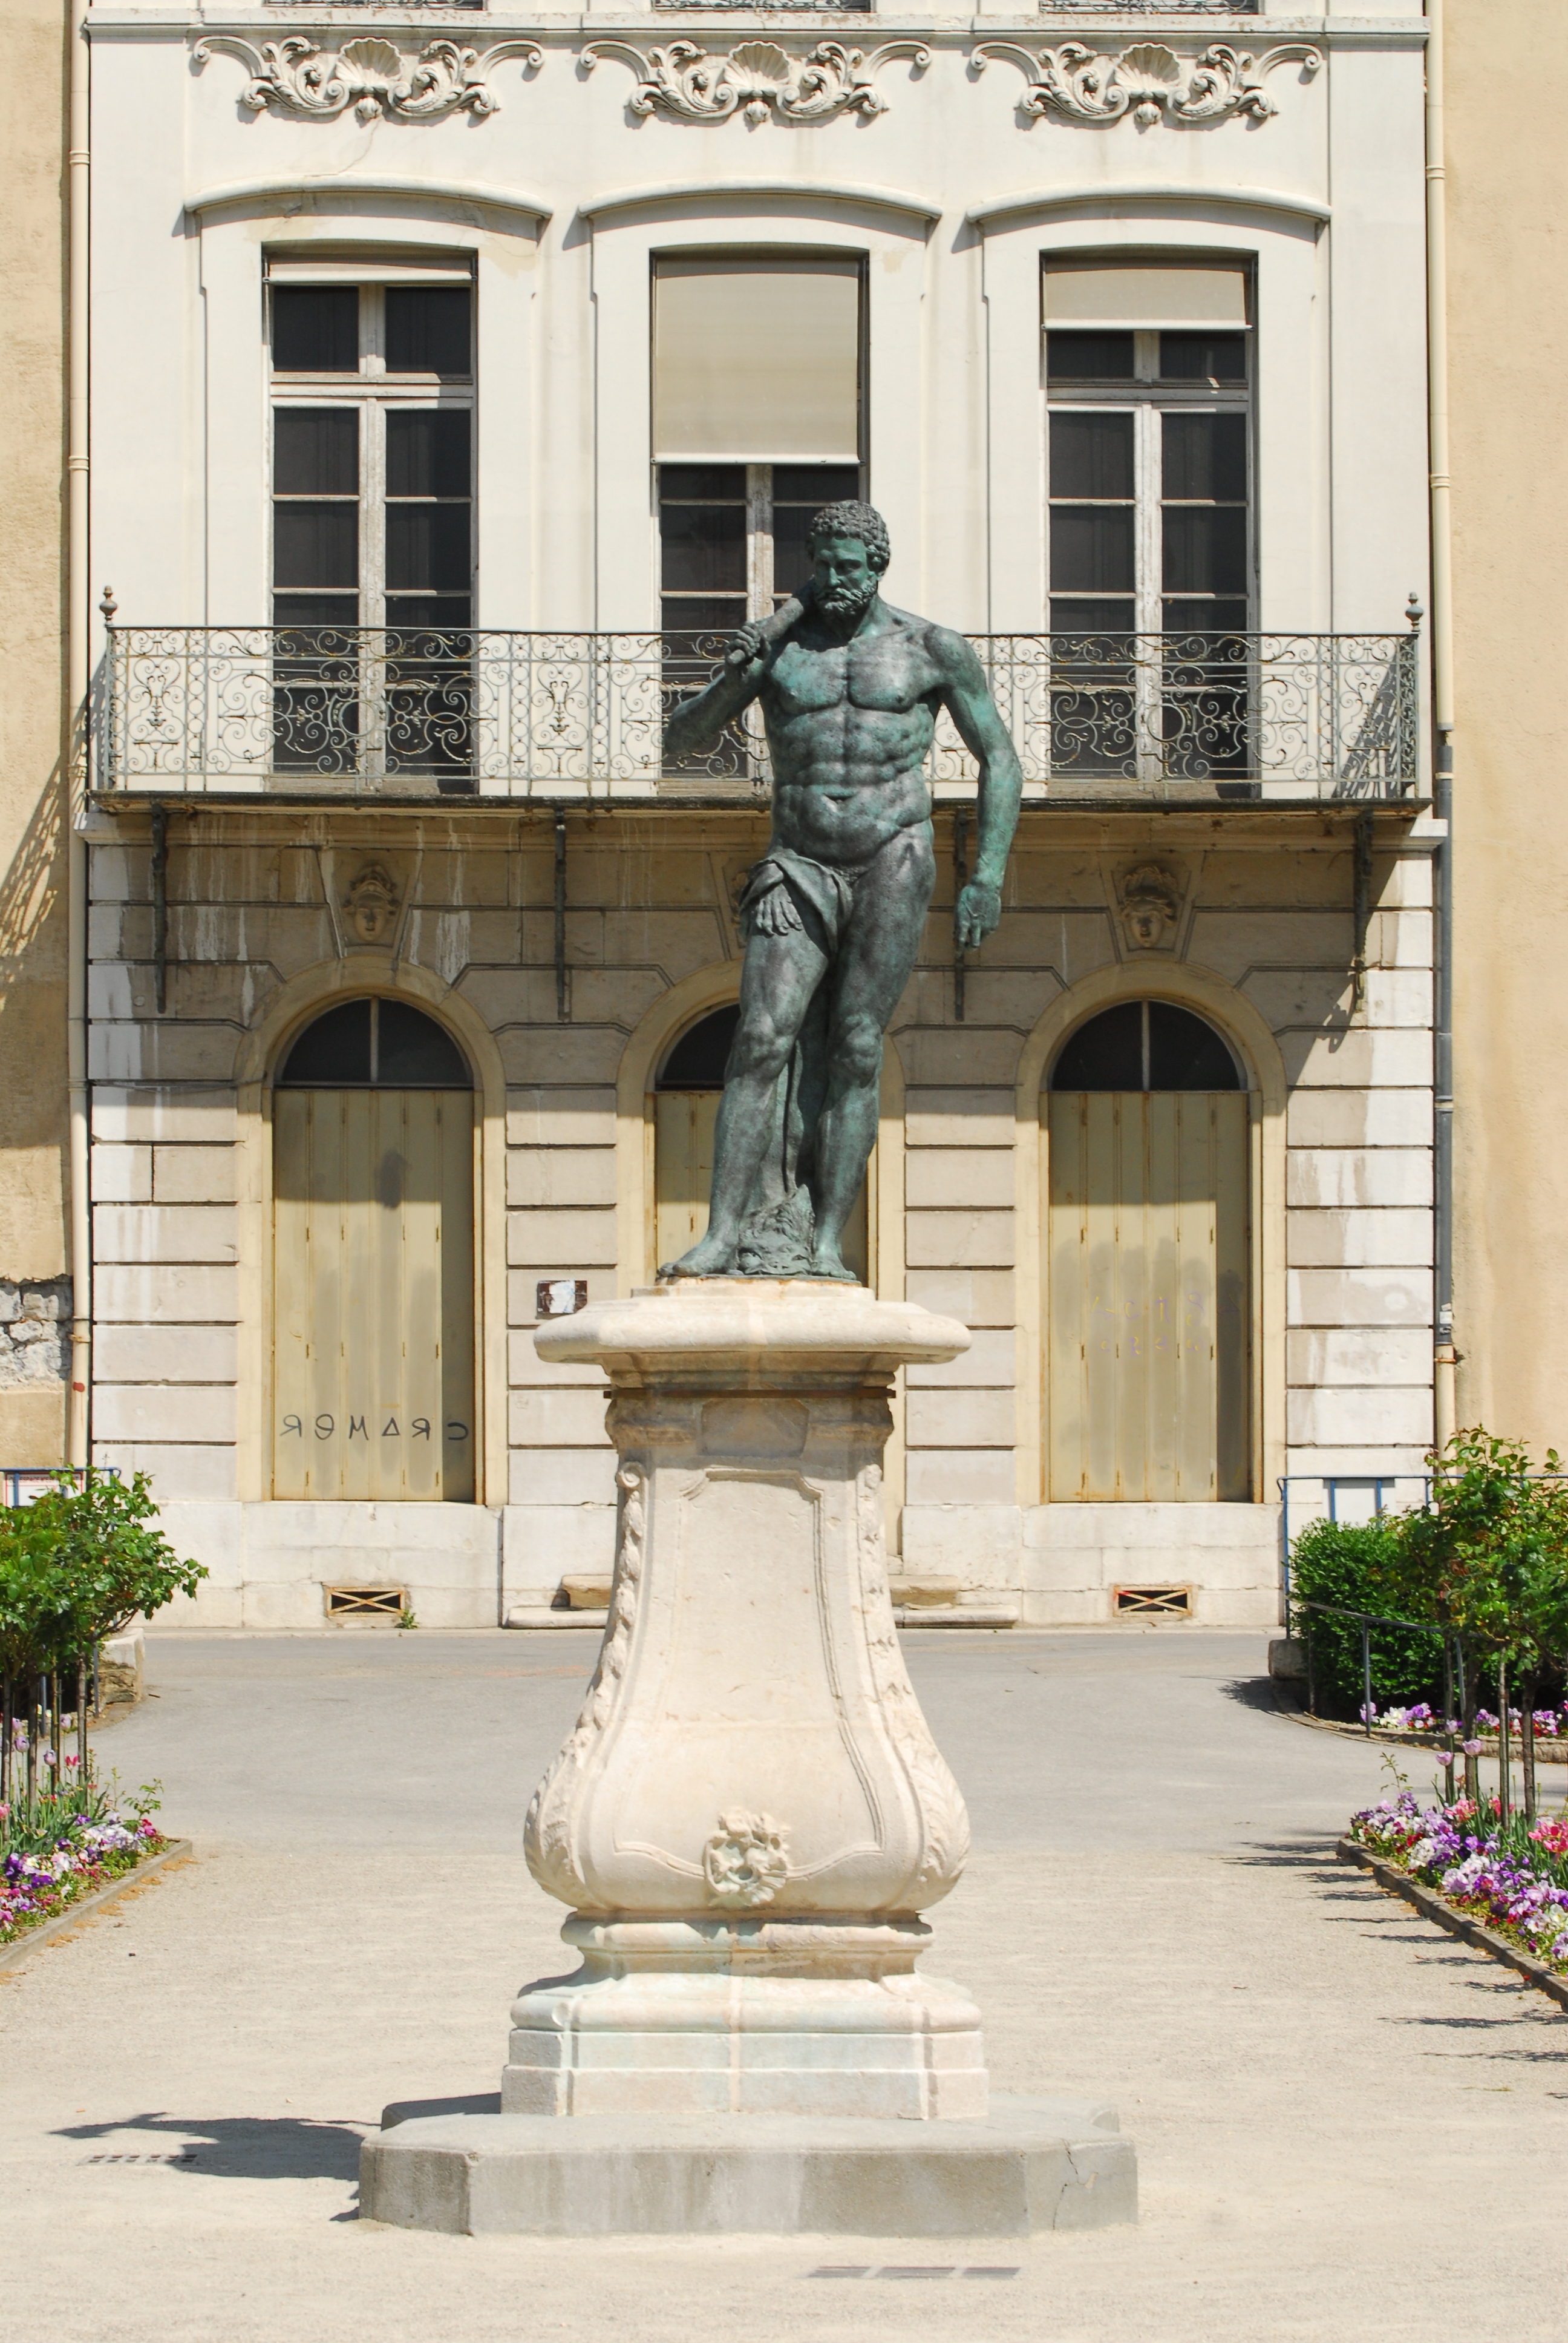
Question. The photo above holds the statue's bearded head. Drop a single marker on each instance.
(849, 550)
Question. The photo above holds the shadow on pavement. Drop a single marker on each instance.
(1307, 1853)
(1261, 1693)
(245, 2148)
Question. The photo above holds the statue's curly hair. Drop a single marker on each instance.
(853, 519)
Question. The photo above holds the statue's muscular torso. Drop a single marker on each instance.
(849, 726)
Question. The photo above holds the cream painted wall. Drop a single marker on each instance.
(1508, 246)
(32, 616)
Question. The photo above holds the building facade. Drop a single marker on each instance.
(460, 377)
(1506, 184)
(35, 769)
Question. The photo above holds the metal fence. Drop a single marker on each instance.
(480, 713)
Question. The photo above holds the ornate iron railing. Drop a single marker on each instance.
(349, 711)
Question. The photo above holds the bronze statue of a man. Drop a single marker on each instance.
(833, 914)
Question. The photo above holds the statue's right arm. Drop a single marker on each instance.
(697, 723)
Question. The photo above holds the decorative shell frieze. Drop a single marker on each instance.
(369, 76)
(1149, 82)
(759, 80)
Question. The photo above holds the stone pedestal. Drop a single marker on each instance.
(751, 1811)
(747, 1819)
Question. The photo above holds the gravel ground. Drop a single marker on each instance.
(1152, 1912)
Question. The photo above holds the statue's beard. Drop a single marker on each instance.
(845, 601)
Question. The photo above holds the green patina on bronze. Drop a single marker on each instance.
(833, 914)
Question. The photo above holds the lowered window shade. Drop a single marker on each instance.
(756, 360)
(379, 264)
(1144, 294)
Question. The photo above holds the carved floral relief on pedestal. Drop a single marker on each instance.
(759, 80)
(369, 76)
(1149, 82)
(744, 1863)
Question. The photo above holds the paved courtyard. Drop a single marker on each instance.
(1153, 1911)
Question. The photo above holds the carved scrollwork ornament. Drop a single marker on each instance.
(1149, 82)
(369, 75)
(548, 1840)
(759, 80)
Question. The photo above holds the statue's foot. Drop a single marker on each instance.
(711, 1256)
(827, 1261)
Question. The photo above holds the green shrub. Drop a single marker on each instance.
(1356, 1565)
(79, 1565)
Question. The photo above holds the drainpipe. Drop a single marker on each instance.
(1445, 1357)
(75, 761)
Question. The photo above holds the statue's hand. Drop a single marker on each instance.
(745, 645)
(774, 913)
(976, 913)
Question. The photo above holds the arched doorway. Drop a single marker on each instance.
(373, 1260)
(687, 1090)
(1148, 1245)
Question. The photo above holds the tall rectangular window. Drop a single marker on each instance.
(373, 427)
(756, 424)
(1148, 369)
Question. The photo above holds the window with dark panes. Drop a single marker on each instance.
(756, 424)
(1148, 372)
(732, 538)
(373, 533)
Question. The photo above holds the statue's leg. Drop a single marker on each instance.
(781, 975)
(876, 959)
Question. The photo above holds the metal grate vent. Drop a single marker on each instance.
(387, 1603)
(1151, 1602)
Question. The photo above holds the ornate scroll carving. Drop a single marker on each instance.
(944, 1820)
(1149, 82)
(371, 76)
(547, 1832)
(759, 80)
(744, 1862)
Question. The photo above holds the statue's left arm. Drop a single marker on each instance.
(966, 695)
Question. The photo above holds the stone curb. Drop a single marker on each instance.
(13, 1954)
(1433, 1906)
(1547, 1752)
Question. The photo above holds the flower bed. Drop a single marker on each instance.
(1550, 1724)
(89, 1854)
(1510, 1878)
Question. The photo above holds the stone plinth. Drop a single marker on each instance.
(751, 1811)
(1033, 2165)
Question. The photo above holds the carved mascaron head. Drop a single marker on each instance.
(371, 903)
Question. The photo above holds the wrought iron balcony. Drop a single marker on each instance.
(335, 712)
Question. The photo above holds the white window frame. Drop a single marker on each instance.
(1151, 401)
(374, 393)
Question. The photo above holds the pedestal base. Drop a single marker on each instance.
(740, 2016)
(1033, 2165)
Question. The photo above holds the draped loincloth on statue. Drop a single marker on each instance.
(818, 899)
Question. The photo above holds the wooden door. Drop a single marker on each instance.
(373, 1288)
(1148, 1319)
(684, 1124)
